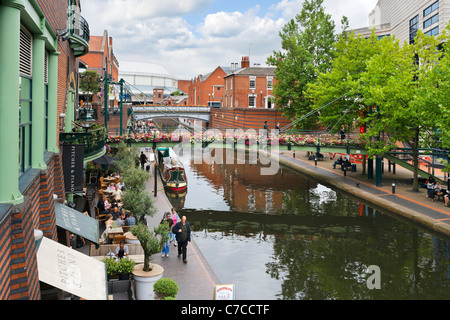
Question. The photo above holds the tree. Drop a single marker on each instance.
(402, 82)
(342, 83)
(306, 43)
(90, 83)
(443, 68)
(397, 83)
(136, 199)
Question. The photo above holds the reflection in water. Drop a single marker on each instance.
(288, 237)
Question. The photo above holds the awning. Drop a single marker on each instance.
(71, 271)
(77, 222)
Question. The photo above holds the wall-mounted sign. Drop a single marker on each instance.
(224, 292)
(73, 158)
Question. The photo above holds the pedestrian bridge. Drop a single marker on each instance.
(159, 112)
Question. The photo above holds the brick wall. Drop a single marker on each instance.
(19, 278)
(200, 92)
(245, 118)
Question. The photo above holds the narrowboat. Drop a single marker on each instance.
(171, 169)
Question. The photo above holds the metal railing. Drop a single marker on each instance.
(78, 26)
(94, 141)
(159, 109)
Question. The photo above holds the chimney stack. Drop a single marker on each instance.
(245, 62)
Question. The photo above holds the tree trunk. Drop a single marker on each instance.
(146, 263)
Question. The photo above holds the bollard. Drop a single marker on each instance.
(345, 171)
(393, 187)
(315, 161)
(294, 154)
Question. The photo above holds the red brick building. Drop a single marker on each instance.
(41, 44)
(250, 87)
(101, 56)
(101, 59)
(248, 100)
(208, 90)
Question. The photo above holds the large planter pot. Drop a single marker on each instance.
(129, 238)
(144, 281)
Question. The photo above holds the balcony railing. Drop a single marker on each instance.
(79, 33)
(94, 141)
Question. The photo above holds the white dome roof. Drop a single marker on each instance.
(142, 68)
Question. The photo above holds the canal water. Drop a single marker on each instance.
(289, 237)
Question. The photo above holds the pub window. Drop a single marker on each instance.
(25, 107)
(25, 101)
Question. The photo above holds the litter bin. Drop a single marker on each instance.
(353, 167)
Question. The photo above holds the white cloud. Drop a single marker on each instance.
(159, 32)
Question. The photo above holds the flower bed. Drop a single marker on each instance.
(239, 137)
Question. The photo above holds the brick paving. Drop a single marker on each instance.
(195, 278)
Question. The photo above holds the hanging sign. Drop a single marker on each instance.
(73, 162)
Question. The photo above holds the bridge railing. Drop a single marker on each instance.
(158, 109)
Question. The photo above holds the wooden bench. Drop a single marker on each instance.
(103, 250)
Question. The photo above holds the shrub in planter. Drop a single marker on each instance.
(166, 288)
(124, 267)
(111, 266)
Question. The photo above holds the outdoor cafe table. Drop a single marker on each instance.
(113, 232)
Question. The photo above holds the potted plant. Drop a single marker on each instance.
(165, 289)
(124, 267)
(137, 200)
(146, 274)
(111, 267)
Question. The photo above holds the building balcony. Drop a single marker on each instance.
(79, 34)
(93, 139)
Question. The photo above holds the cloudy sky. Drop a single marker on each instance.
(192, 37)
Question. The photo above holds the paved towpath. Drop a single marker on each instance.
(195, 279)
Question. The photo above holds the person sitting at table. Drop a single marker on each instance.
(112, 187)
(346, 163)
(107, 204)
(436, 191)
(116, 213)
(109, 220)
(101, 206)
(117, 193)
(430, 184)
(121, 220)
(338, 161)
(130, 220)
(122, 250)
(446, 199)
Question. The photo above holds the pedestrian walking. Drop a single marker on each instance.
(168, 220)
(143, 159)
(182, 232)
(175, 220)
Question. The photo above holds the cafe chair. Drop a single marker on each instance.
(118, 239)
(98, 216)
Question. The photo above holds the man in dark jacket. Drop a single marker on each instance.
(143, 159)
(182, 231)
